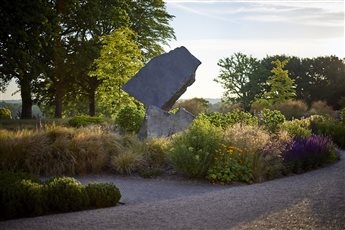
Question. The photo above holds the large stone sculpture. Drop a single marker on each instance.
(158, 85)
(164, 79)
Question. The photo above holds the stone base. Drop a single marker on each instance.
(159, 123)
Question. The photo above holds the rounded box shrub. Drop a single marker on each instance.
(20, 195)
(102, 195)
(83, 120)
(66, 194)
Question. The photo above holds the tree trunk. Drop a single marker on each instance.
(92, 103)
(58, 102)
(25, 91)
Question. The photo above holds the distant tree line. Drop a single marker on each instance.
(70, 56)
(247, 79)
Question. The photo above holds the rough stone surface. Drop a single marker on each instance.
(159, 123)
(164, 79)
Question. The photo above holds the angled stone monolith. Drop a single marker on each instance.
(159, 123)
(164, 78)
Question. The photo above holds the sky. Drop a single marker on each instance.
(215, 29)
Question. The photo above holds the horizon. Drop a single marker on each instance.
(215, 29)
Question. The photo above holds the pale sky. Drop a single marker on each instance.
(214, 29)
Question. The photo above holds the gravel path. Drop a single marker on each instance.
(314, 200)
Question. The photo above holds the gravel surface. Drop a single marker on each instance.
(314, 200)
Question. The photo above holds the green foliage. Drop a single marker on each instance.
(102, 195)
(20, 195)
(271, 119)
(281, 86)
(295, 129)
(23, 195)
(120, 59)
(241, 77)
(130, 118)
(331, 128)
(84, 120)
(5, 113)
(193, 151)
(230, 164)
(292, 109)
(228, 119)
(66, 194)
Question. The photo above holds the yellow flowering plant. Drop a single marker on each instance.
(231, 164)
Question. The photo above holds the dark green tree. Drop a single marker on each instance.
(242, 78)
(24, 36)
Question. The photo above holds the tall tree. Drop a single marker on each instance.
(282, 87)
(24, 36)
(120, 59)
(242, 78)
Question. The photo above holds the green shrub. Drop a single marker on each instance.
(224, 120)
(271, 119)
(331, 128)
(84, 120)
(230, 164)
(20, 195)
(295, 129)
(102, 195)
(5, 113)
(23, 195)
(154, 157)
(292, 109)
(66, 194)
(193, 151)
(130, 118)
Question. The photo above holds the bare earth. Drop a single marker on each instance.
(314, 200)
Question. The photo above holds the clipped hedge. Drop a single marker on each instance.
(22, 195)
(84, 120)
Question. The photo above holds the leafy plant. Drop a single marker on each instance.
(230, 118)
(130, 118)
(230, 164)
(193, 151)
(102, 195)
(271, 119)
(331, 128)
(295, 129)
